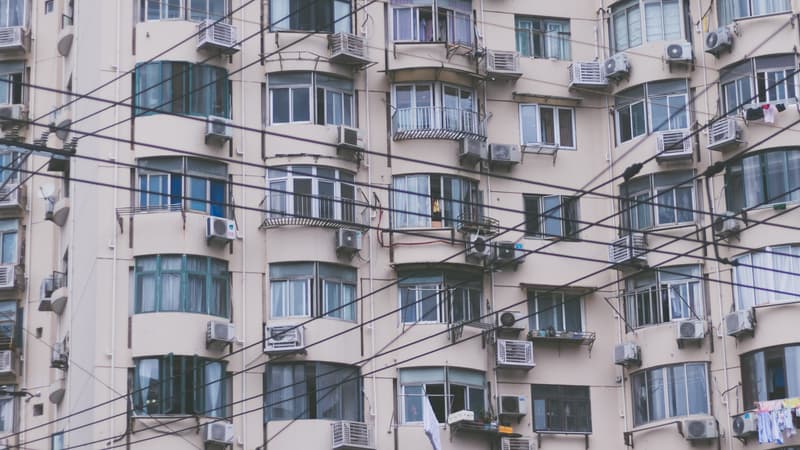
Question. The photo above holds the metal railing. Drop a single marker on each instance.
(437, 122)
(313, 210)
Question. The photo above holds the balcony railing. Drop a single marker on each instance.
(283, 209)
(437, 122)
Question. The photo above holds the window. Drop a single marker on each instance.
(311, 191)
(662, 22)
(448, 297)
(449, 389)
(307, 289)
(549, 126)
(8, 241)
(310, 15)
(182, 283)
(758, 80)
(770, 374)
(57, 441)
(194, 10)
(557, 311)
(659, 296)
(433, 201)
(768, 276)
(661, 199)
(312, 390)
(9, 158)
(541, 37)
(561, 408)
(425, 21)
(549, 216)
(762, 179)
(182, 88)
(174, 384)
(670, 391)
(728, 10)
(665, 101)
(201, 181)
(12, 13)
(48, 6)
(296, 97)
(10, 334)
(7, 409)
(415, 108)
(11, 82)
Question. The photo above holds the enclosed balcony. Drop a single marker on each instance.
(437, 122)
(283, 209)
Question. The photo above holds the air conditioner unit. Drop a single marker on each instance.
(347, 48)
(219, 334)
(59, 357)
(215, 35)
(478, 247)
(8, 362)
(587, 74)
(508, 252)
(283, 339)
(219, 130)
(502, 64)
(8, 276)
(745, 424)
(515, 354)
(348, 241)
(679, 52)
(522, 443)
(12, 112)
(724, 132)
(461, 416)
(351, 435)
(617, 66)
(698, 429)
(673, 144)
(472, 151)
(727, 225)
(740, 322)
(13, 38)
(718, 41)
(690, 330)
(504, 154)
(12, 196)
(511, 320)
(220, 230)
(350, 137)
(627, 354)
(218, 434)
(628, 248)
(512, 405)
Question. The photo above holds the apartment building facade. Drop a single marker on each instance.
(281, 223)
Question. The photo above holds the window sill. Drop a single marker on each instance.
(745, 19)
(181, 312)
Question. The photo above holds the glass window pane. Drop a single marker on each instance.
(638, 121)
(529, 124)
(697, 388)
(565, 128)
(197, 194)
(677, 390)
(280, 105)
(656, 394)
(301, 105)
(547, 126)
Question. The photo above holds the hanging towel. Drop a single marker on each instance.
(770, 111)
(764, 425)
(431, 424)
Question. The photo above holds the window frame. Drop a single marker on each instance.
(738, 171)
(563, 394)
(8, 424)
(184, 80)
(569, 224)
(540, 33)
(315, 301)
(315, 25)
(755, 369)
(283, 201)
(441, 287)
(424, 216)
(313, 88)
(732, 4)
(556, 130)
(185, 11)
(453, 19)
(640, 5)
(182, 178)
(9, 227)
(448, 380)
(652, 294)
(183, 302)
(667, 382)
(746, 297)
(632, 203)
(534, 313)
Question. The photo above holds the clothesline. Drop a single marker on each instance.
(776, 419)
(772, 405)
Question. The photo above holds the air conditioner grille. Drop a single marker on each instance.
(687, 329)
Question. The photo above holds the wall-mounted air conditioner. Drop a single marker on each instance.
(350, 143)
(218, 434)
(478, 247)
(348, 241)
(8, 363)
(219, 334)
(8, 276)
(627, 354)
(350, 435)
(512, 405)
(13, 39)
(514, 354)
(220, 230)
(673, 144)
(700, 429)
(587, 74)
(632, 247)
(727, 225)
(723, 133)
(219, 130)
(740, 322)
(472, 151)
(347, 48)
(690, 330)
(511, 321)
(219, 36)
(12, 112)
(617, 66)
(745, 424)
(679, 52)
(504, 155)
(718, 40)
(502, 64)
(283, 339)
(517, 443)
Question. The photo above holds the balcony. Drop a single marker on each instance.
(285, 209)
(12, 199)
(437, 122)
(8, 334)
(54, 293)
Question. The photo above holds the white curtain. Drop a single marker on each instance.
(214, 385)
(787, 276)
(753, 181)
(147, 372)
(763, 278)
(279, 14)
(743, 279)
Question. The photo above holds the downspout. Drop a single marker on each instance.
(244, 247)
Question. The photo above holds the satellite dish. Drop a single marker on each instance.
(62, 129)
(47, 191)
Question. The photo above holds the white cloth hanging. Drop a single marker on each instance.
(431, 424)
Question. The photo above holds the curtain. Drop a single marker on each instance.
(148, 385)
(6, 415)
(620, 31)
(213, 391)
(763, 278)
(403, 24)
(328, 393)
(672, 20)
(753, 181)
(743, 279)
(197, 273)
(9, 247)
(653, 15)
(529, 124)
(655, 394)
(677, 390)
(280, 14)
(332, 299)
(787, 276)
(285, 392)
(697, 388)
(146, 283)
(792, 363)
(761, 7)
(278, 298)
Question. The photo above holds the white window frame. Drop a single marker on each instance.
(446, 382)
(562, 219)
(287, 300)
(671, 118)
(675, 208)
(451, 24)
(761, 292)
(657, 286)
(3, 234)
(4, 400)
(290, 175)
(291, 89)
(422, 291)
(163, 7)
(618, 122)
(535, 314)
(622, 11)
(666, 391)
(549, 38)
(740, 98)
(781, 74)
(556, 126)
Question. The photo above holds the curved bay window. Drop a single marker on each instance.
(311, 97)
(432, 21)
(770, 374)
(449, 389)
(763, 79)
(443, 297)
(434, 201)
(304, 289)
(181, 283)
(657, 200)
(311, 195)
(312, 390)
(435, 110)
(181, 88)
(653, 20)
(184, 385)
(769, 276)
(669, 391)
(664, 295)
(194, 10)
(183, 183)
(762, 179)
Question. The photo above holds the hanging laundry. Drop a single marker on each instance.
(764, 428)
(770, 111)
